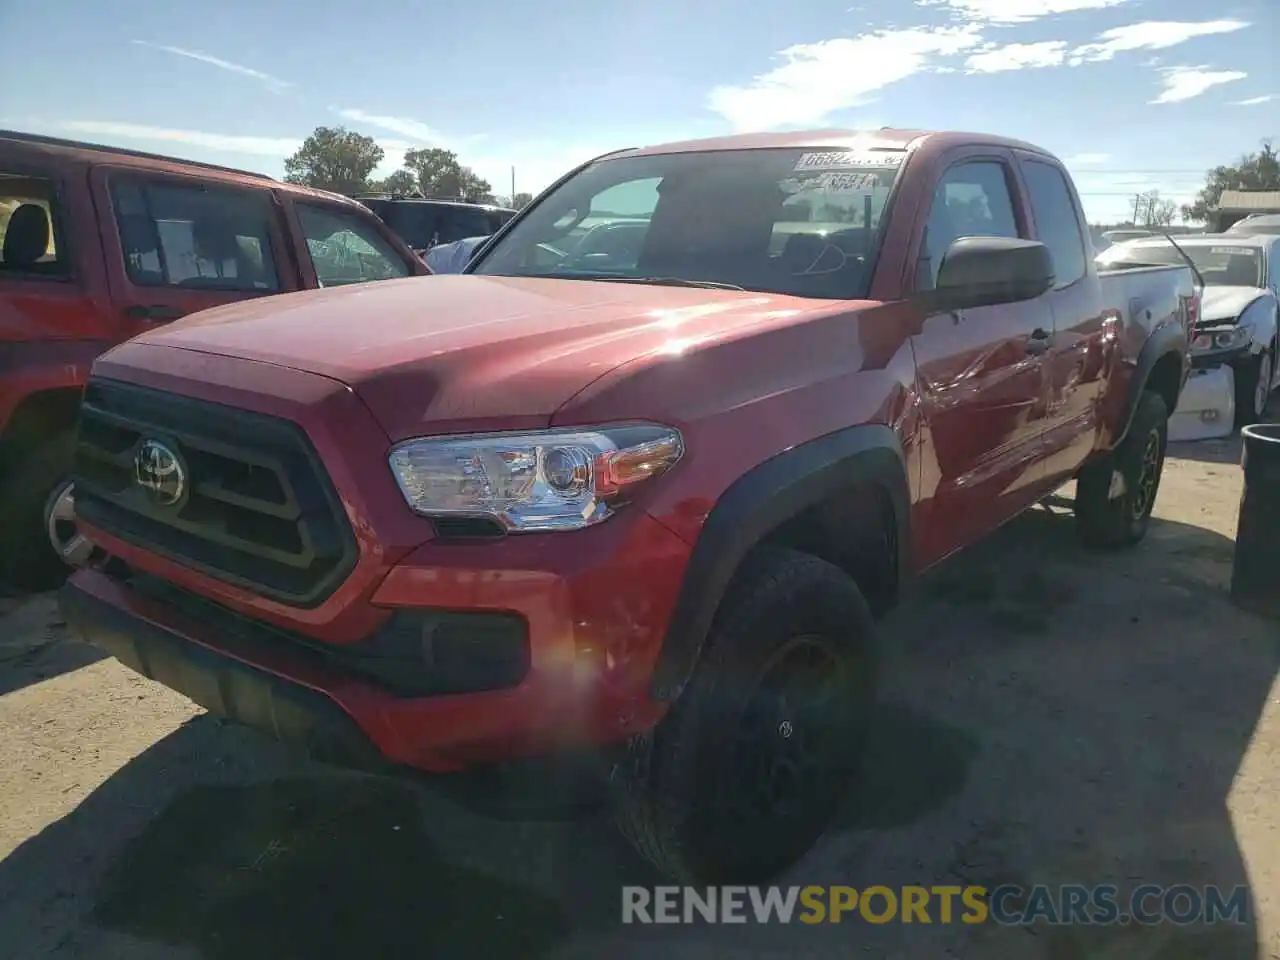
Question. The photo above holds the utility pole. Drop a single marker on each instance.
(1137, 203)
(513, 185)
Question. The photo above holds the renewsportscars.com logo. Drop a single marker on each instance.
(1008, 905)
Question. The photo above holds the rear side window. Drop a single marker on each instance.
(498, 219)
(1057, 224)
(972, 200)
(416, 223)
(29, 228)
(346, 248)
(196, 237)
(459, 223)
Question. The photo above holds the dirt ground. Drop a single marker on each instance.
(1053, 716)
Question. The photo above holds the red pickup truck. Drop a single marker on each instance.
(100, 243)
(640, 502)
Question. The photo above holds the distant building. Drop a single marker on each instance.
(1235, 205)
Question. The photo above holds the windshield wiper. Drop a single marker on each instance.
(671, 282)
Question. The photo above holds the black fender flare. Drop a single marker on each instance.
(757, 503)
(1164, 341)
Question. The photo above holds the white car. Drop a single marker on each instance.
(1238, 320)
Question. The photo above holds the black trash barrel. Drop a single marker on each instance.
(1255, 575)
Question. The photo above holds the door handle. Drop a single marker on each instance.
(1039, 342)
(157, 313)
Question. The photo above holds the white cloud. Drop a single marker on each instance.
(1183, 83)
(1254, 101)
(1017, 11)
(1018, 56)
(414, 130)
(230, 143)
(274, 83)
(817, 79)
(1084, 159)
(1149, 35)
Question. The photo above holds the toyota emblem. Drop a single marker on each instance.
(158, 470)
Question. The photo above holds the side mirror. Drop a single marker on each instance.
(986, 271)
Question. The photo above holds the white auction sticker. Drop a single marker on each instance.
(838, 182)
(850, 159)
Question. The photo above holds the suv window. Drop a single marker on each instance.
(972, 200)
(498, 219)
(1057, 222)
(29, 228)
(346, 249)
(202, 237)
(459, 223)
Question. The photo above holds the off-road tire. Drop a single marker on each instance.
(1106, 523)
(673, 792)
(27, 557)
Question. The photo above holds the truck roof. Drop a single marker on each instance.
(77, 151)
(888, 138)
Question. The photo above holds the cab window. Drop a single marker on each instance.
(1057, 222)
(972, 200)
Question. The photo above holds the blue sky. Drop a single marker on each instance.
(1134, 94)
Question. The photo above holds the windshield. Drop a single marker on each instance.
(794, 221)
(1221, 266)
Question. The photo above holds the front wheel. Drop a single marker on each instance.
(752, 764)
(37, 518)
(1116, 494)
(1253, 388)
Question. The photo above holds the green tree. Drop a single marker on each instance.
(335, 159)
(1254, 171)
(440, 174)
(401, 182)
(521, 200)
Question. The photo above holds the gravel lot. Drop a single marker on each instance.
(1053, 717)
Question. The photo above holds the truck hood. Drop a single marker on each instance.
(465, 352)
(1225, 304)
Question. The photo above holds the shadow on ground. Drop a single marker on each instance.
(1225, 450)
(313, 867)
(1052, 717)
(34, 644)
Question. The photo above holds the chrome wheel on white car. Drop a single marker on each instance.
(1262, 393)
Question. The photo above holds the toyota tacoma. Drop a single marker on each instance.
(641, 502)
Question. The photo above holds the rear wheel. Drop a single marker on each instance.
(1115, 495)
(751, 765)
(37, 518)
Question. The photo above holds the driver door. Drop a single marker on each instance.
(981, 372)
(176, 244)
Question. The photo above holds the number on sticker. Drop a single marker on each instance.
(850, 159)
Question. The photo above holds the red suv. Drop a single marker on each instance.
(98, 244)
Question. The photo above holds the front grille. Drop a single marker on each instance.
(256, 508)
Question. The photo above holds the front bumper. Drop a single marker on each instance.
(1214, 358)
(214, 676)
(595, 609)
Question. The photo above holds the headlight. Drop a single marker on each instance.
(1227, 338)
(552, 480)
